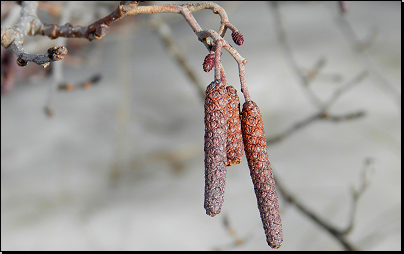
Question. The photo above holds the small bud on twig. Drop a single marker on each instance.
(209, 62)
(237, 38)
(57, 53)
(21, 62)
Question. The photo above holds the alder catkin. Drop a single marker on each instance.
(234, 139)
(261, 173)
(216, 126)
(209, 62)
(237, 38)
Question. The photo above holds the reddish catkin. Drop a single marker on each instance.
(209, 62)
(261, 173)
(216, 126)
(234, 139)
(237, 38)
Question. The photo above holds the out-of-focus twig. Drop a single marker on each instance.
(237, 239)
(339, 234)
(304, 81)
(323, 113)
(82, 85)
(358, 47)
(164, 31)
(357, 193)
(57, 71)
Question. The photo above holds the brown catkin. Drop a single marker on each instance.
(216, 126)
(237, 38)
(209, 62)
(261, 173)
(234, 139)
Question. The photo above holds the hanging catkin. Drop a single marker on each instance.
(216, 126)
(234, 139)
(261, 173)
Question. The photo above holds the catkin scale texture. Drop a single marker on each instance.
(216, 127)
(234, 139)
(237, 38)
(261, 173)
(209, 62)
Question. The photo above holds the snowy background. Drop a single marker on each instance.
(120, 166)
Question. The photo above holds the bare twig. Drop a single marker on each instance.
(57, 70)
(281, 32)
(237, 239)
(357, 47)
(99, 29)
(96, 30)
(356, 194)
(28, 25)
(312, 74)
(164, 31)
(83, 85)
(339, 234)
(323, 113)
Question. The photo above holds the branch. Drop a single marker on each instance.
(28, 24)
(357, 47)
(281, 33)
(98, 29)
(164, 31)
(302, 208)
(339, 234)
(323, 113)
(83, 85)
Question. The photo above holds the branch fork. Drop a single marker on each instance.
(30, 24)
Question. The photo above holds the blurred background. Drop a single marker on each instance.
(120, 166)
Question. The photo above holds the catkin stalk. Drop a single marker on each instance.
(261, 173)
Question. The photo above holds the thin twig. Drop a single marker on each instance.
(356, 46)
(28, 25)
(339, 234)
(99, 29)
(321, 222)
(281, 32)
(356, 194)
(323, 113)
(164, 31)
(82, 85)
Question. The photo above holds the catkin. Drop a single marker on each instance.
(234, 139)
(216, 126)
(237, 38)
(261, 173)
(209, 62)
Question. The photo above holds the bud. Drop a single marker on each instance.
(261, 173)
(209, 62)
(21, 62)
(237, 38)
(57, 53)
